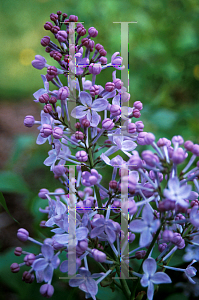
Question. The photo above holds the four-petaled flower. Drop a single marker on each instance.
(45, 266)
(146, 226)
(152, 277)
(89, 108)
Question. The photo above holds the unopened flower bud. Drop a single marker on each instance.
(188, 145)
(47, 108)
(47, 290)
(28, 277)
(115, 110)
(138, 105)
(29, 121)
(18, 251)
(15, 268)
(113, 184)
(98, 255)
(42, 193)
(81, 156)
(79, 135)
(140, 254)
(29, 259)
(95, 69)
(109, 86)
(118, 83)
(57, 132)
(45, 41)
(22, 234)
(92, 32)
(63, 93)
(107, 124)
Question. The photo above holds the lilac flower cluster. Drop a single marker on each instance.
(153, 194)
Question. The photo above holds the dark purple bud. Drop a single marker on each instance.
(81, 31)
(47, 108)
(107, 124)
(18, 251)
(170, 151)
(51, 70)
(109, 86)
(149, 138)
(118, 83)
(195, 150)
(57, 56)
(102, 52)
(59, 170)
(153, 176)
(77, 125)
(98, 255)
(48, 25)
(49, 77)
(138, 105)
(59, 13)
(45, 41)
(79, 135)
(140, 254)
(92, 32)
(136, 113)
(167, 235)
(85, 123)
(47, 290)
(103, 60)
(131, 128)
(139, 126)
(85, 42)
(15, 268)
(63, 93)
(28, 277)
(61, 36)
(57, 133)
(48, 49)
(43, 224)
(29, 121)
(53, 100)
(42, 193)
(162, 247)
(44, 98)
(64, 16)
(22, 234)
(188, 145)
(98, 47)
(29, 259)
(166, 205)
(81, 156)
(73, 18)
(95, 69)
(94, 90)
(53, 17)
(113, 184)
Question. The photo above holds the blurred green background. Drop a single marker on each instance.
(164, 75)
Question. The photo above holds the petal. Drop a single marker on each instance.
(137, 226)
(85, 99)
(173, 184)
(76, 281)
(111, 234)
(128, 145)
(105, 158)
(60, 208)
(50, 222)
(99, 105)
(39, 264)
(160, 277)
(116, 100)
(79, 112)
(81, 233)
(40, 140)
(150, 291)
(144, 280)
(38, 93)
(99, 222)
(64, 266)
(147, 214)
(50, 160)
(47, 251)
(145, 237)
(48, 273)
(61, 238)
(185, 191)
(149, 266)
(91, 286)
(96, 231)
(94, 120)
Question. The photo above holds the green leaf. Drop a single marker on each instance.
(3, 203)
(12, 183)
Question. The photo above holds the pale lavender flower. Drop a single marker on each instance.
(45, 90)
(194, 216)
(152, 277)
(63, 239)
(146, 226)
(85, 281)
(46, 265)
(116, 61)
(89, 109)
(77, 65)
(102, 225)
(176, 192)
